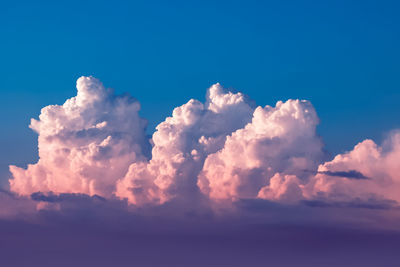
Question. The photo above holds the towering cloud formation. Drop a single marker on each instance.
(86, 144)
(223, 149)
(181, 144)
(278, 141)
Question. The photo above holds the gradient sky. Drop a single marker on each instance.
(343, 56)
(284, 201)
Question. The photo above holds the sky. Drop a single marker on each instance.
(304, 164)
(342, 56)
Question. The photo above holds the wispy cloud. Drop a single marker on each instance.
(352, 174)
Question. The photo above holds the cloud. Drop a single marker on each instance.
(224, 150)
(279, 142)
(351, 174)
(88, 231)
(367, 159)
(181, 144)
(86, 144)
(224, 178)
(54, 198)
(14, 207)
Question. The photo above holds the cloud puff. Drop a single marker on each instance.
(223, 150)
(181, 144)
(86, 144)
(374, 173)
(279, 142)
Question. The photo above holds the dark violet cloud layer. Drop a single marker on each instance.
(277, 245)
(92, 231)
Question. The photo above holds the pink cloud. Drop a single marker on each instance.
(85, 145)
(181, 144)
(279, 140)
(222, 149)
(378, 164)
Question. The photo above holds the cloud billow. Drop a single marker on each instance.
(225, 149)
(85, 145)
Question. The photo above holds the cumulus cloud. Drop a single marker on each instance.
(84, 145)
(279, 142)
(214, 171)
(374, 173)
(223, 150)
(181, 144)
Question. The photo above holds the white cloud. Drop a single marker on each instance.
(223, 149)
(279, 140)
(181, 144)
(85, 145)
(378, 164)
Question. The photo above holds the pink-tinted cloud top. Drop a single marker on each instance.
(85, 145)
(225, 149)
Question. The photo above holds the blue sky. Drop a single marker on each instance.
(343, 56)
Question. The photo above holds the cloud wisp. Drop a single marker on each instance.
(221, 151)
(351, 174)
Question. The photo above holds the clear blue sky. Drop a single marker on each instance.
(342, 55)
